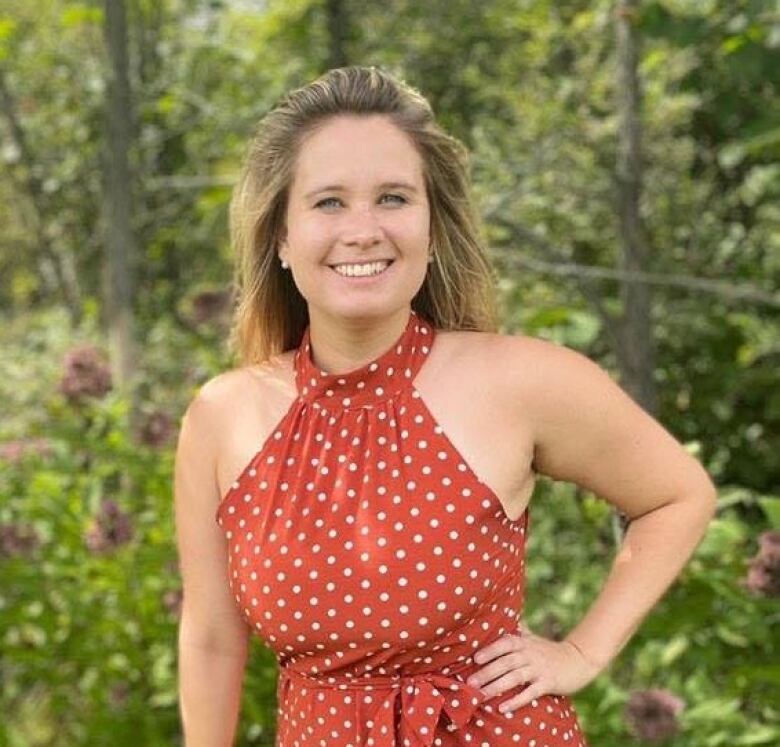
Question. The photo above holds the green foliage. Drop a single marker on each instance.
(86, 635)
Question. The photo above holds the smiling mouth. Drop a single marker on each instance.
(387, 263)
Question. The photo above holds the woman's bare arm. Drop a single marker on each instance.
(213, 639)
(590, 432)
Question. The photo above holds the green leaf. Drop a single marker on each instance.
(79, 14)
(771, 507)
(762, 734)
(548, 317)
(759, 673)
(674, 649)
(713, 710)
(731, 636)
(731, 155)
(7, 27)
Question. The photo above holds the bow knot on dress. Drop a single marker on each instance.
(423, 701)
(410, 706)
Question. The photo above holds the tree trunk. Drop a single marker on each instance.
(636, 352)
(118, 268)
(338, 24)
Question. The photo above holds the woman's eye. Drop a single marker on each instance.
(336, 199)
(327, 199)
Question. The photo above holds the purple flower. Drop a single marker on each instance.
(172, 600)
(652, 714)
(763, 576)
(111, 528)
(18, 540)
(211, 305)
(156, 429)
(172, 567)
(552, 628)
(769, 546)
(14, 451)
(85, 374)
(118, 694)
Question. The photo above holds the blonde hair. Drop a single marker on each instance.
(270, 313)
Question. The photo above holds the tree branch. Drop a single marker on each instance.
(720, 288)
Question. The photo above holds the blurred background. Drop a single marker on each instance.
(625, 158)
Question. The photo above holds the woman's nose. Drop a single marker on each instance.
(361, 225)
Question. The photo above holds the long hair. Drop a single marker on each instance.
(270, 313)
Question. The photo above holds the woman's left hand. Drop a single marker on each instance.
(555, 667)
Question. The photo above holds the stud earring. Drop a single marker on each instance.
(430, 257)
(284, 264)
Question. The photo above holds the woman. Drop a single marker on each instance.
(357, 493)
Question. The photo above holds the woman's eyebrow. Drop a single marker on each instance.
(342, 188)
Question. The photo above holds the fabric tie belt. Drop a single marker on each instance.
(422, 699)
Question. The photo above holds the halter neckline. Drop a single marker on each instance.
(380, 379)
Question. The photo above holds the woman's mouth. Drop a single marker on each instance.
(362, 272)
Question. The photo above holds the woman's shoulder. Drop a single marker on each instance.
(518, 367)
(233, 411)
(250, 386)
(506, 348)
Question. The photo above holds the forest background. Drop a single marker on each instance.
(624, 157)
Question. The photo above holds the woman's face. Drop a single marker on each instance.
(357, 196)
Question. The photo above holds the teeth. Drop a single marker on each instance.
(373, 268)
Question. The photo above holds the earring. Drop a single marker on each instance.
(430, 257)
(284, 264)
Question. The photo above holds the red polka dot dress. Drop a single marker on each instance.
(371, 559)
